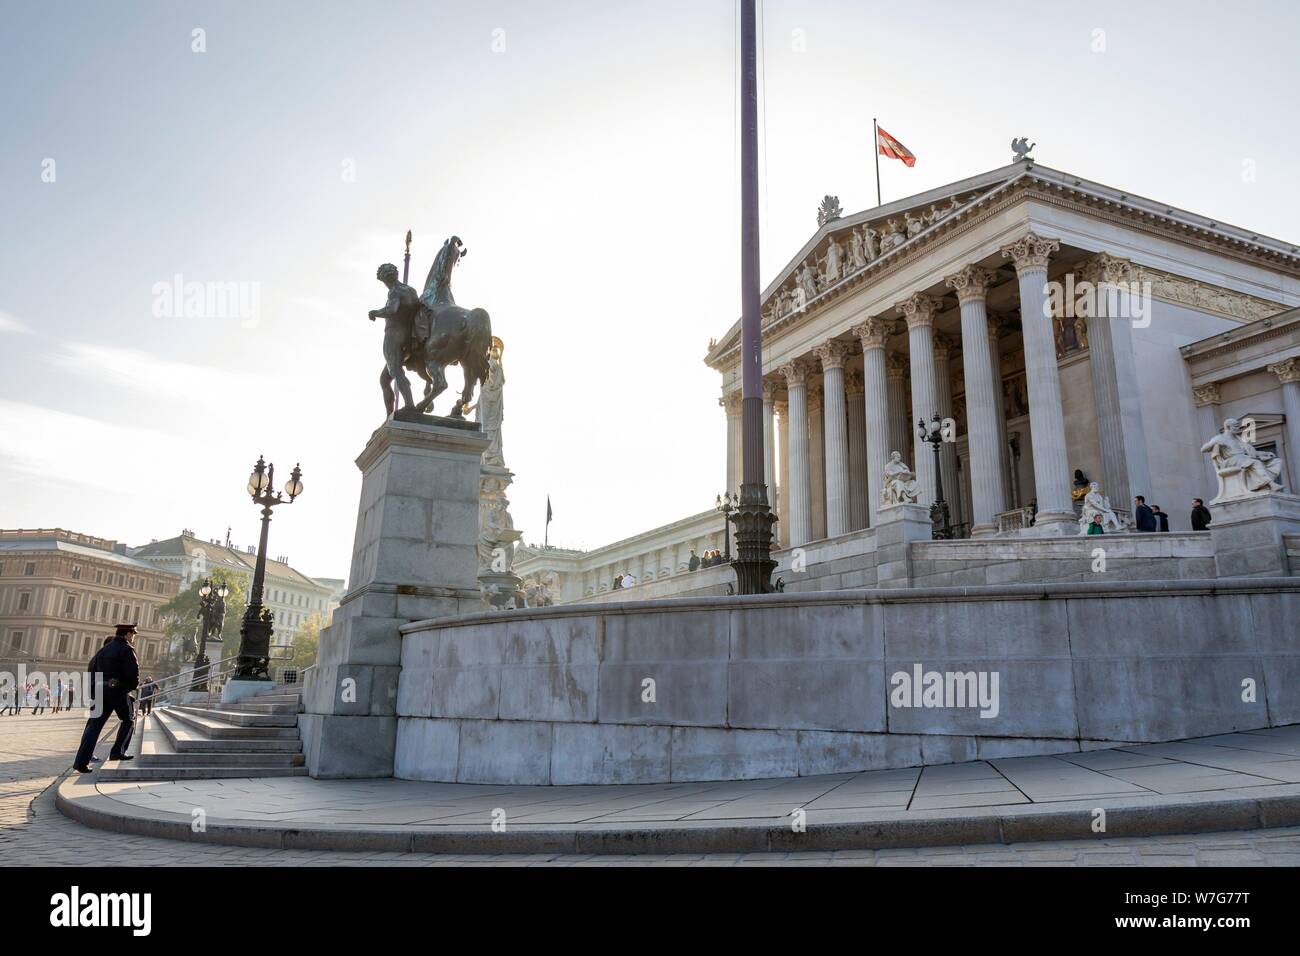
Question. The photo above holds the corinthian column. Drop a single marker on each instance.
(1120, 430)
(833, 355)
(782, 410)
(1288, 373)
(900, 429)
(948, 450)
(878, 402)
(800, 502)
(853, 388)
(769, 441)
(1005, 499)
(1046, 420)
(1206, 399)
(983, 442)
(816, 462)
(919, 311)
(731, 402)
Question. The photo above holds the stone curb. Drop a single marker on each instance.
(1012, 824)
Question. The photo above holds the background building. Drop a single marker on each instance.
(61, 593)
(292, 595)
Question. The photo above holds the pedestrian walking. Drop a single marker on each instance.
(147, 691)
(119, 670)
(1200, 515)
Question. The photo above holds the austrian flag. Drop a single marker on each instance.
(888, 146)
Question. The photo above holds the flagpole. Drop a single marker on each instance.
(875, 148)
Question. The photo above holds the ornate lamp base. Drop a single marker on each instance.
(939, 521)
(254, 662)
(754, 520)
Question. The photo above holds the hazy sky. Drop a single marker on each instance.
(585, 152)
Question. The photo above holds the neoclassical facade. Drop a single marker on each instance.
(1045, 318)
(1064, 332)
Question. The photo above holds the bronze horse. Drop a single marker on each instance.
(444, 333)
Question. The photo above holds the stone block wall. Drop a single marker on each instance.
(778, 685)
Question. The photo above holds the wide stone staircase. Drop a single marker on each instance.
(256, 737)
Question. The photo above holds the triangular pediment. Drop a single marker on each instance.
(815, 274)
(860, 239)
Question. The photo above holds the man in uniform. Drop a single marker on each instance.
(399, 316)
(116, 664)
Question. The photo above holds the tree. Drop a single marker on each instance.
(181, 619)
(307, 641)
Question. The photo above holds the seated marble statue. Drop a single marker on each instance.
(899, 485)
(1096, 505)
(1242, 469)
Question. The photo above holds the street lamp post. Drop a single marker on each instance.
(210, 598)
(727, 502)
(254, 661)
(939, 518)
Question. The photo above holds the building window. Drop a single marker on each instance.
(64, 641)
(76, 572)
(99, 577)
(30, 569)
(117, 611)
(24, 600)
(94, 609)
(70, 605)
(16, 639)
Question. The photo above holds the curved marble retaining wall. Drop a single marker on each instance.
(785, 685)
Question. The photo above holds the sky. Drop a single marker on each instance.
(586, 153)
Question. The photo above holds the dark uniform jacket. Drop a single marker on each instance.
(1200, 518)
(117, 662)
(1146, 518)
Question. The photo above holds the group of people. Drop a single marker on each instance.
(1150, 518)
(710, 559)
(39, 697)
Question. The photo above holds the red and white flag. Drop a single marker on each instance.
(886, 145)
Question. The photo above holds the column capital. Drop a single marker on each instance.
(1030, 251)
(796, 373)
(781, 408)
(971, 284)
(895, 365)
(731, 401)
(771, 388)
(873, 332)
(832, 354)
(1204, 395)
(1104, 268)
(1288, 371)
(918, 309)
(855, 383)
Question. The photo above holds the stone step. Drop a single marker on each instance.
(217, 727)
(240, 718)
(131, 772)
(158, 759)
(187, 739)
(247, 706)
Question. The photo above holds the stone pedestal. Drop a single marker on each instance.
(1248, 534)
(234, 690)
(897, 526)
(414, 557)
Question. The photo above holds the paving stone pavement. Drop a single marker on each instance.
(35, 751)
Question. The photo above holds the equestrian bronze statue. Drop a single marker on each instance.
(428, 332)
